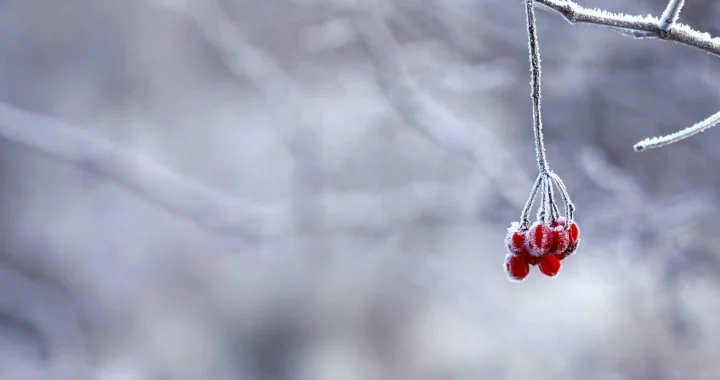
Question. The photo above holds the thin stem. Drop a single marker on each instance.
(671, 14)
(535, 86)
(569, 206)
(656, 142)
(553, 211)
(524, 220)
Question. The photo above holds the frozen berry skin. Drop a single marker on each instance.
(532, 260)
(539, 239)
(573, 233)
(550, 266)
(560, 240)
(516, 267)
(515, 239)
(573, 238)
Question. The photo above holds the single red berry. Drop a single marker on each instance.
(515, 239)
(561, 256)
(516, 267)
(550, 266)
(573, 233)
(560, 239)
(539, 239)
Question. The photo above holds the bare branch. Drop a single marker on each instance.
(665, 28)
(170, 191)
(656, 142)
(215, 211)
(646, 27)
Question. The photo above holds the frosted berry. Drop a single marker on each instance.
(550, 266)
(539, 239)
(516, 267)
(560, 239)
(573, 233)
(515, 239)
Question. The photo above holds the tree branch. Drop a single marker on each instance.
(665, 28)
(146, 178)
(644, 26)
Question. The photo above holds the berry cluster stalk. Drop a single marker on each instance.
(535, 87)
(546, 180)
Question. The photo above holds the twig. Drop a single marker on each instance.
(671, 14)
(656, 142)
(665, 28)
(647, 26)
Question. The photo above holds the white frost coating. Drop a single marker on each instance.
(561, 239)
(506, 267)
(509, 244)
(544, 240)
(655, 142)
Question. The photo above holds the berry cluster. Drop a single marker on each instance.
(547, 241)
(542, 244)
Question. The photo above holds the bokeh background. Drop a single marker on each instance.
(319, 190)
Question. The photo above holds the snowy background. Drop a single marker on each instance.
(319, 190)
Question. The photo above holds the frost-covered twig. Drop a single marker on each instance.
(666, 28)
(646, 26)
(656, 142)
(671, 14)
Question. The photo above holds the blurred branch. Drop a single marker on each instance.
(664, 28)
(282, 95)
(646, 26)
(211, 209)
(171, 191)
(432, 119)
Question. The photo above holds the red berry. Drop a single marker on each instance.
(560, 239)
(515, 239)
(539, 239)
(516, 267)
(561, 256)
(573, 233)
(550, 266)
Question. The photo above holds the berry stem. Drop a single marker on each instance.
(569, 206)
(524, 219)
(535, 87)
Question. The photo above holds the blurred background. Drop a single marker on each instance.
(319, 190)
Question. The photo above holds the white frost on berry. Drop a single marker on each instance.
(561, 239)
(538, 246)
(506, 267)
(509, 243)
